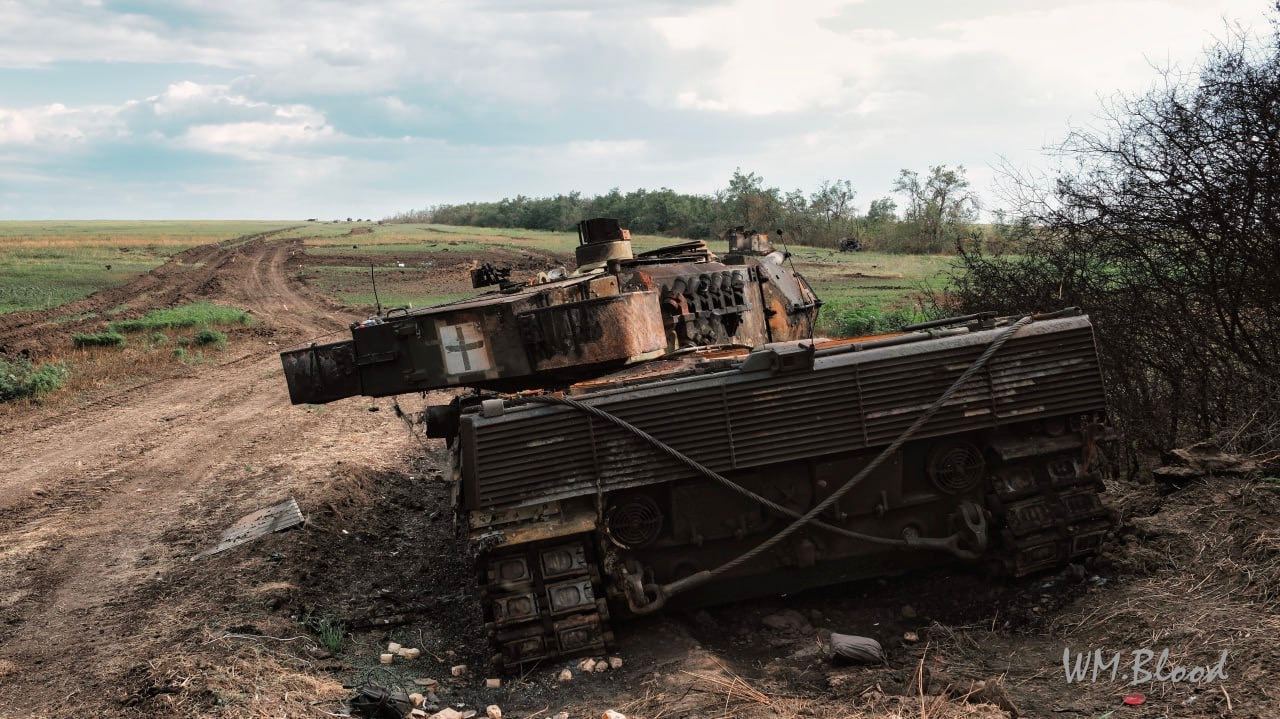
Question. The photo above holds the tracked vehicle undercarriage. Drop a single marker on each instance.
(706, 474)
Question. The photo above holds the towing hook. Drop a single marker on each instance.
(975, 519)
(659, 600)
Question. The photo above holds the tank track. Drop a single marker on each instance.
(1049, 513)
(544, 600)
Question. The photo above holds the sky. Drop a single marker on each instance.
(269, 109)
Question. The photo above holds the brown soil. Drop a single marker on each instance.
(103, 506)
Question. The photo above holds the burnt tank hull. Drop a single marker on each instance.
(572, 514)
(666, 417)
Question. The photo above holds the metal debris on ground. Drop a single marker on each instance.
(378, 702)
(857, 649)
(275, 518)
(1206, 459)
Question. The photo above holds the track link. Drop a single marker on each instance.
(544, 600)
(1049, 512)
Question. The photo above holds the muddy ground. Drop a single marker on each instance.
(105, 499)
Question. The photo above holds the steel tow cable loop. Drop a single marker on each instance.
(664, 592)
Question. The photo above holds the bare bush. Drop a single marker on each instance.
(1165, 227)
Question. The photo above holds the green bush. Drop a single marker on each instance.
(158, 338)
(199, 314)
(209, 338)
(98, 339)
(20, 379)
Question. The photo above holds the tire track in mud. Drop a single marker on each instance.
(184, 275)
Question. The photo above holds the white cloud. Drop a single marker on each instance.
(456, 100)
(763, 57)
(252, 139)
(210, 118)
(56, 125)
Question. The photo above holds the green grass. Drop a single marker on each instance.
(98, 339)
(209, 338)
(427, 238)
(19, 379)
(869, 292)
(330, 633)
(199, 314)
(47, 264)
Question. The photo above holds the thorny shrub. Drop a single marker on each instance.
(1165, 227)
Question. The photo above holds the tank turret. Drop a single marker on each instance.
(615, 309)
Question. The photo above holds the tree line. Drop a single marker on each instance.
(932, 213)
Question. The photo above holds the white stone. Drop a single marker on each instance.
(493, 711)
(565, 676)
(615, 662)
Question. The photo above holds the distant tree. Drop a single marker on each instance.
(749, 203)
(881, 211)
(939, 205)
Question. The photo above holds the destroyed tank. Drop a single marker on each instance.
(761, 465)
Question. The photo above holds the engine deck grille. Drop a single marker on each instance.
(736, 420)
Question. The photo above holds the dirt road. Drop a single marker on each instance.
(91, 501)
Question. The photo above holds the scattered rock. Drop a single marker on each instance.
(386, 658)
(417, 699)
(587, 665)
(493, 683)
(393, 647)
(458, 670)
(417, 713)
(602, 665)
(611, 714)
(910, 637)
(447, 713)
(468, 713)
(565, 677)
(615, 662)
(560, 715)
(426, 682)
(493, 711)
(409, 653)
(787, 620)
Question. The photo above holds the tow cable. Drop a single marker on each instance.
(974, 519)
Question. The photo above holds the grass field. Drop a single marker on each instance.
(46, 264)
